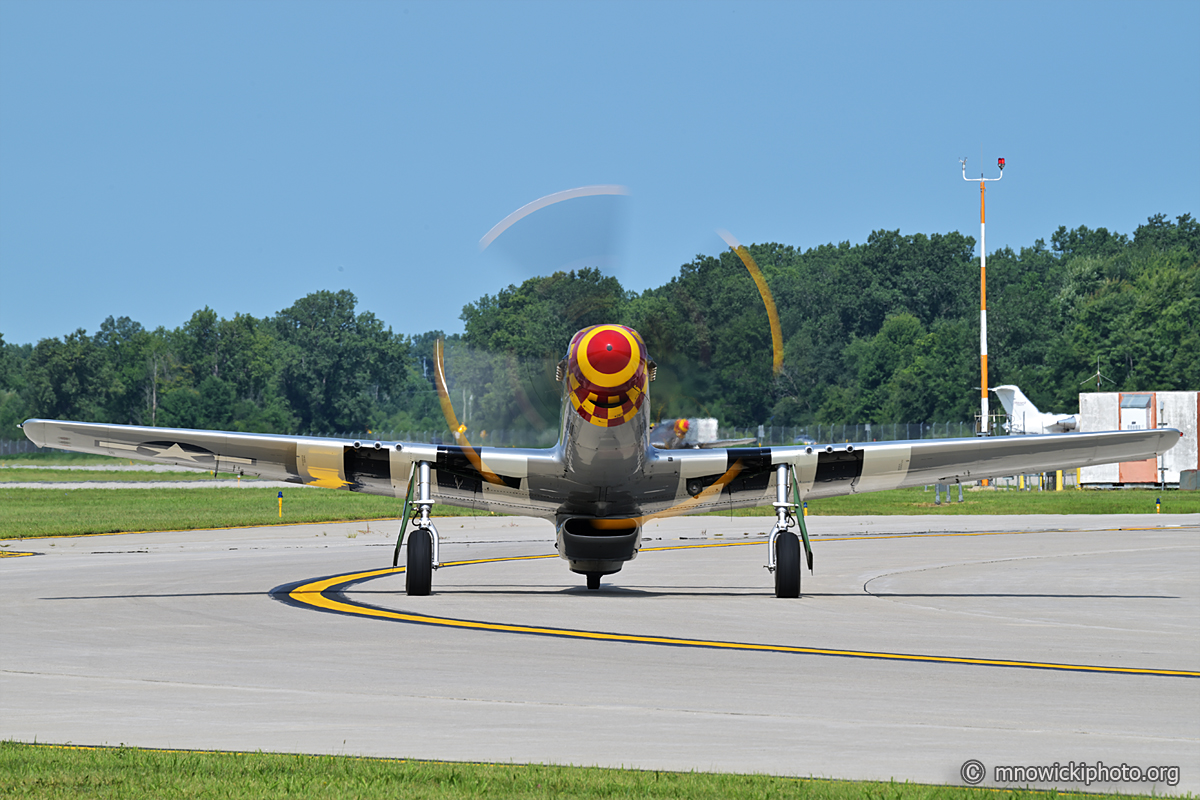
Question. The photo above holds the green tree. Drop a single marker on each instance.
(334, 365)
(882, 331)
(125, 345)
(68, 379)
(513, 339)
(197, 345)
(1161, 234)
(181, 408)
(13, 408)
(538, 318)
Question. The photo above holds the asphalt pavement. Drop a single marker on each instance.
(920, 644)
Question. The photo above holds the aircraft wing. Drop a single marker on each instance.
(484, 478)
(534, 482)
(714, 480)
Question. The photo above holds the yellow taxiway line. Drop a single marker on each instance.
(327, 594)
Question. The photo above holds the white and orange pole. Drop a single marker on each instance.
(983, 353)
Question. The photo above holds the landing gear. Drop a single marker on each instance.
(422, 555)
(593, 581)
(787, 565)
(418, 569)
(783, 556)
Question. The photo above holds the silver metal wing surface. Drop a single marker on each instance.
(747, 475)
(487, 478)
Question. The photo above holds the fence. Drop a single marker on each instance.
(12, 447)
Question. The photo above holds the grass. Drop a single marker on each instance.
(50, 512)
(63, 459)
(48, 771)
(35, 475)
(999, 501)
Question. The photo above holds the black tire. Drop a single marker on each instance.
(593, 581)
(787, 565)
(418, 566)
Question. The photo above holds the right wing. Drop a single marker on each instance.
(482, 478)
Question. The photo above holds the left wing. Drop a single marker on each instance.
(484, 478)
(713, 480)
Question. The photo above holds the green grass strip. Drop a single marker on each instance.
(53, 512)
(33, 475)
(49, 771)
(999, 501)
(50, 512)
(57, 458)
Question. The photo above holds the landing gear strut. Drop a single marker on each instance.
(422, 553)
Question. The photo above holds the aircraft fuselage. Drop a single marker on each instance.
(605, 445)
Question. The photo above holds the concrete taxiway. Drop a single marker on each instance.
(920, 643)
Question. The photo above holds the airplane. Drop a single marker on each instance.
(675, 435)
(603, 479)
(1023, 416)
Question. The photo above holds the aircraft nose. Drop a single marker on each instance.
(606, 374)
(607, 357)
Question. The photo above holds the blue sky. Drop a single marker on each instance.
(159, 157)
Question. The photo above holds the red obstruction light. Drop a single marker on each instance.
(1000, 161)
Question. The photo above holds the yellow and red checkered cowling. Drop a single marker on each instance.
(606, 374)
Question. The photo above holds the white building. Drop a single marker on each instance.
(1110, 411)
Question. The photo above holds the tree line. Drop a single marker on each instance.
(884, 331)
(315, 366)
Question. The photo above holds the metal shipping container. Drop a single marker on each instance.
(1107, 411)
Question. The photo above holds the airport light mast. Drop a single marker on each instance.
(983, 397)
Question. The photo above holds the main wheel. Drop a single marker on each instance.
(593, 579)
(418, 566)
(787, 565)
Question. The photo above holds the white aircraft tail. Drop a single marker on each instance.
(1015, 403)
